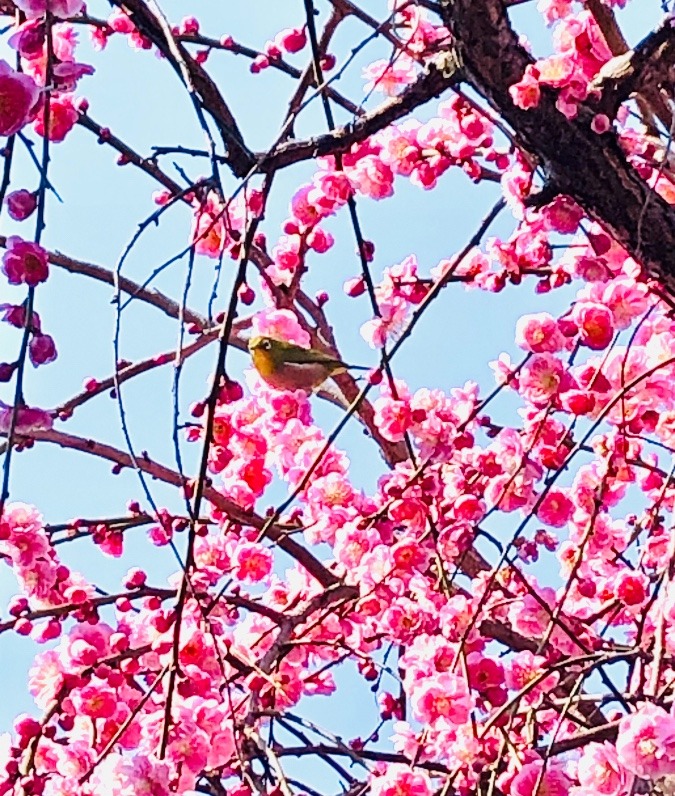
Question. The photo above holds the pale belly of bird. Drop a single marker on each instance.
(295, 376)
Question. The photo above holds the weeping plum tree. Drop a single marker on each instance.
(496, 608)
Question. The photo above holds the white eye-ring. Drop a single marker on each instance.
(266, 344)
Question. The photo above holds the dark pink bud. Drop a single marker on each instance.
(292, 39)
(20, 204)
(246, 294)
(260, 62)
(319, 240)
(355, 287)
(197, 409)
(272, 51)
(135, 578)
(7, 370)
(17, 605)
(368, 249)
(189, 26)
(41, 349)
(23, 627)
(123, 605)
(231, 391)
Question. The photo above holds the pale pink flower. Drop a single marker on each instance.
(531, 616)
(553, 10)
(140, 774)
(599, 770)
(645, 744)
(331, 191)
(626, 299)
(405, 739)
(400, 780)
(390, 78)
(556, 70)
(209, 230)
(372, 177)
(97, 701)
(280, 325)
(85, 644)
(504, 370)
(523, 668)
(45, 677)
(541, 378)
(444, 697)
(526, 92)
(393, 418)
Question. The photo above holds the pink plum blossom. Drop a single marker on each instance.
(20, 204)
(18, 98)
(60, 8)
(645, 744)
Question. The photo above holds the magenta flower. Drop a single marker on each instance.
(18, 98)
(41, 349)
(24, 262)
(20, 204)
(59, 8)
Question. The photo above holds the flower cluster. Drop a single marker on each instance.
(416, 586)
(48, 56)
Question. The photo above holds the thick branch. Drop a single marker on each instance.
(210, 98)
(234, 512)
(639, 71)
(440, 74)
(590, 168)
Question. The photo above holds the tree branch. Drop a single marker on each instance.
(240, 158)
(440, 74)
(276, 533)
(570, 153)
(639, 71)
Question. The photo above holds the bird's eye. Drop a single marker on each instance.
(266, 344)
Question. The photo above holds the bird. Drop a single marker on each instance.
(286, 366)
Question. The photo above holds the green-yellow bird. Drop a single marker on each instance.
(286, 366)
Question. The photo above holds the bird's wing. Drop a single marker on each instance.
(304, 356)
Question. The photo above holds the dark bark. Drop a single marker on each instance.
(589, 167)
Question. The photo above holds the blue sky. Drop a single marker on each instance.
(139, 98)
